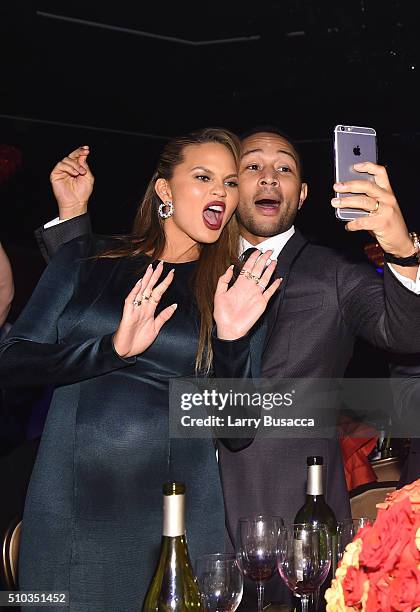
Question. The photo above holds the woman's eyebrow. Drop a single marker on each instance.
(202, 168)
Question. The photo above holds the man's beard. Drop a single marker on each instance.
(270, 227)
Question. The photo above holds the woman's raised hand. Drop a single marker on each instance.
(139, 327)
(72, 183)
(237, 308)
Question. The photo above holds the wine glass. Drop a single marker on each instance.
(221, 582)
(346, 531)
(304, 558)
(256, 547)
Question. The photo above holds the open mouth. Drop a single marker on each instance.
(267, 206)
(213, 215)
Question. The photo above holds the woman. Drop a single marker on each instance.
(92, 521)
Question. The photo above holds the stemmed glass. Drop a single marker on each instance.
(346, 530)
(221, 582)
(256, 547)
(304, 558)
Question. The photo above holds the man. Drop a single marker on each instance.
(325, 300)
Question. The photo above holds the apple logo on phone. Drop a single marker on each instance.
(356, 150)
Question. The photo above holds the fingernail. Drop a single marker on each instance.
(149, 266)
(269, 262)
(174, 306)
(139, 281)
(335, 201)
(172, 270)
(160, 262)
(231, 267)
(339, 184)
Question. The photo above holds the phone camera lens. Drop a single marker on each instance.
(342, 128)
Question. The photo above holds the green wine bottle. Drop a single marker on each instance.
(315, 509)
(174, 587)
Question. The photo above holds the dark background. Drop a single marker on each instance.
(124, 76)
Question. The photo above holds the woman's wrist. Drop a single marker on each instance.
(229, 334)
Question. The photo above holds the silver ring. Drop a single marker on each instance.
(260, 284)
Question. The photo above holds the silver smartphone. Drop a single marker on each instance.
(352, 144)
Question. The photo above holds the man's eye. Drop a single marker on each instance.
(203, 177)
(283, 169)
(252, 167)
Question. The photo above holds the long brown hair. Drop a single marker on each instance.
(148, 234)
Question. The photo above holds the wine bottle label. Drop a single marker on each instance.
(173, 515)
(298, 554)
(314, 486)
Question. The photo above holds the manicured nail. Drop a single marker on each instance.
(269, 261)
(85, 147)
(174, 306)
(335, 201)
(139, 281)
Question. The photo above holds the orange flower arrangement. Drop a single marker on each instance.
(380, 569)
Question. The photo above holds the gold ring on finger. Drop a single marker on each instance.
(375, 210)
(145, 297)
(153, 299)
(246, 273)
(136, 303)
(255, 278)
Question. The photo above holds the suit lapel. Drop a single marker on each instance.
(256, 346)
(288, 255)
(263, 328)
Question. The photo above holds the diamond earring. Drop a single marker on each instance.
(169, 212)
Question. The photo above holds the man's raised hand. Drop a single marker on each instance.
(72, 183)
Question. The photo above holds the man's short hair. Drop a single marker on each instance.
(272, 129)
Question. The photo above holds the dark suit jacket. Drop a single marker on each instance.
(324, 302)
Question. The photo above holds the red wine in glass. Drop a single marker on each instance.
(256, 548)
(259, 569)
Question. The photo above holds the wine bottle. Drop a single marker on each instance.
(315, 509)
(174, 587)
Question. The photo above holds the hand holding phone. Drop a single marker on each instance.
(352, 145)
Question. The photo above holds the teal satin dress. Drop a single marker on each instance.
(93, 516)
